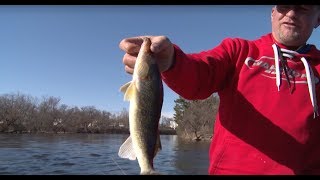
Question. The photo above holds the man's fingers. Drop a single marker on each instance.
(159, 43)
(128, 69)
(131, 45)
(129, 60)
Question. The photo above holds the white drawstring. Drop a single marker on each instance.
(309, 75)
(276, 63)
(311, 86)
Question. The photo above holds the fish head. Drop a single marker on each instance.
(145, 61)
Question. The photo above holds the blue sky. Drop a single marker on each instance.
(72, 51)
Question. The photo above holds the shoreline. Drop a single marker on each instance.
(107, 131)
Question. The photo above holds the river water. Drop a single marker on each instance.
(93, 154)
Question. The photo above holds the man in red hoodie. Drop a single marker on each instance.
(268, 120)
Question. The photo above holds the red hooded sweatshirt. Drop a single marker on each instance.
(267, 122)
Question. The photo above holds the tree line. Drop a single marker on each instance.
(20, 113)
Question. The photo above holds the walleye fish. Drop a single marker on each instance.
(145, 93)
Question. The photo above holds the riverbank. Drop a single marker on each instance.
(106, 131)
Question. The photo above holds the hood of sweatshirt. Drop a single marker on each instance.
(307, 54)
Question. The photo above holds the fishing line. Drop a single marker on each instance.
(118, 166)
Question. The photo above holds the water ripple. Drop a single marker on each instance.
(92, 154)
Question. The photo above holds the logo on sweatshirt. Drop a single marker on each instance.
(265, 64)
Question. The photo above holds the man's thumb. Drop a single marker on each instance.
(155, 47)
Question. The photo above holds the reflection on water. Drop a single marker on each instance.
(86, 154)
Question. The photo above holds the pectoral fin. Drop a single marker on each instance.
(126, 150)
(128, 90)
(124, 87)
